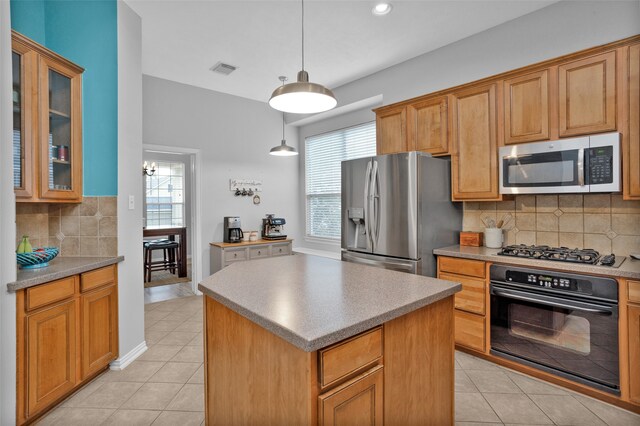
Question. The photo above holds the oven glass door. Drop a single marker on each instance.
(577, 338)
(546, 169)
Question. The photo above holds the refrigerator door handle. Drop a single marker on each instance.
(367, 213)
(374, 206)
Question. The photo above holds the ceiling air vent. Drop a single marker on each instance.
(222, 68)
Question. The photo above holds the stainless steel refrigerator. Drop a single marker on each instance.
(396, 209)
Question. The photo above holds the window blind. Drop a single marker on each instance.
(323, 155)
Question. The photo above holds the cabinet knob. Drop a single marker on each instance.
(235, 254)
(259, 252)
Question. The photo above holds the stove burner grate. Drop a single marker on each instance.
(561, 254)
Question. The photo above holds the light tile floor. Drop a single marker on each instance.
(165, 386)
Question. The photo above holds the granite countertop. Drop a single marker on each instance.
(630, 268)
(60, 267)
(313, 302)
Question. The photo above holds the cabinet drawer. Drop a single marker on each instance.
(258, 252)
(634, 291)
(98, 278)
(348, 357)
(471, 298)
(49, 293)
(281, 249)
(472, 268)
(235, 254)
(469, 330)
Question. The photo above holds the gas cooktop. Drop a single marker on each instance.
(562, 254)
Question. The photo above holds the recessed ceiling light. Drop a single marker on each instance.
(381, 9)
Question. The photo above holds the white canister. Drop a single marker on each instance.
(254, 236)
(246, 235)
(493, 237)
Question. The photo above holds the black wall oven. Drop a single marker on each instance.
(565, 324)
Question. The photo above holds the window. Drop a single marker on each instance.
(323, 154)
(164, 194)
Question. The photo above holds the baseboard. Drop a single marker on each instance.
(122, 362)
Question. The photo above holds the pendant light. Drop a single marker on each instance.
(302, 97)
(283, 150)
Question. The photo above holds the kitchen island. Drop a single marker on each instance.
(309, 340)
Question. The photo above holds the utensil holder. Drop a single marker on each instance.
(493, 237)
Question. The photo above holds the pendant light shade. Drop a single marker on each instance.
(283, 150)
(302, 97)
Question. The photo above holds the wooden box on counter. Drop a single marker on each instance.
(473, 239)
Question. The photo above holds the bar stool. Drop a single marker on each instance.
(171, 257)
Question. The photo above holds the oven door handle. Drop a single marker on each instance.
(596, 309)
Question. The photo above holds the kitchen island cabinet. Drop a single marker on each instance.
(319, 341)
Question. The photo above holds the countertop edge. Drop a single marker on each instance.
(14, 286)
(558, 266)
(333, 337)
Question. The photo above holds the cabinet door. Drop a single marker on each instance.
(587, 95)
(470, 330)
(60, 132)
(51, 355)
(526, 108)
(391, 131)
(24, 64)
(358, 402)
(428, 126)
(631, 159)
(99, 327)
(634, 353)
(474, 168)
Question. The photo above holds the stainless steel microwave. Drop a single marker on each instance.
(583, 164)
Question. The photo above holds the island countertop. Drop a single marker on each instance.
(313, 302)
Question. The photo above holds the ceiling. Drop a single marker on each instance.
(344, 41)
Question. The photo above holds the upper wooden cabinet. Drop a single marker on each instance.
(631, 143)
(47, 124)
(474, 167)
(587, 95)
(526, 108)
(428, 125)
(391, 131)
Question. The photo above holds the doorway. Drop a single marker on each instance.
(171, 200)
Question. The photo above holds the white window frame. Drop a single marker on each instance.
(146, 204)
(307, 196)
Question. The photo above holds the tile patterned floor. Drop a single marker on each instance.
(165, 386)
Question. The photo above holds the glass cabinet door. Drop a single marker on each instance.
(60, 175)
(23, 106)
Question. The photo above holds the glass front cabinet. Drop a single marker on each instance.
(47, 124)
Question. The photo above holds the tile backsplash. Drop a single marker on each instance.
(603, 222)
(85, 229)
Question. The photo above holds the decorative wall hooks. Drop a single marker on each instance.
(246, 188)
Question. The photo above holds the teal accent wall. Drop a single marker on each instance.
(27, 17)
(85, 32)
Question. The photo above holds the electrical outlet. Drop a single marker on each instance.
(132, 202)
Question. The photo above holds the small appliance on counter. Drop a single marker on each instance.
(272, 228)
(232, 230)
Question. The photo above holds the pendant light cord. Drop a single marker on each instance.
(283, 126)
(302, 35)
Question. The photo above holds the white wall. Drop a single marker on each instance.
(234, 136)
(558, 29)
(7, 230)
(130, 289)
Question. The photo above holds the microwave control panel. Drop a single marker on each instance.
(601, 165)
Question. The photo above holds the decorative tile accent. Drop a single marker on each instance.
(604, 222)
(86, 229)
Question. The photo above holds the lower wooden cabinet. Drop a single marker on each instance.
(99, 329)
(634, 353)
(470, 330)
(64, 338)
(357, 402)
(50, 340)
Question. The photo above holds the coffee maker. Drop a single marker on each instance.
(272, 228)
(232, 231)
